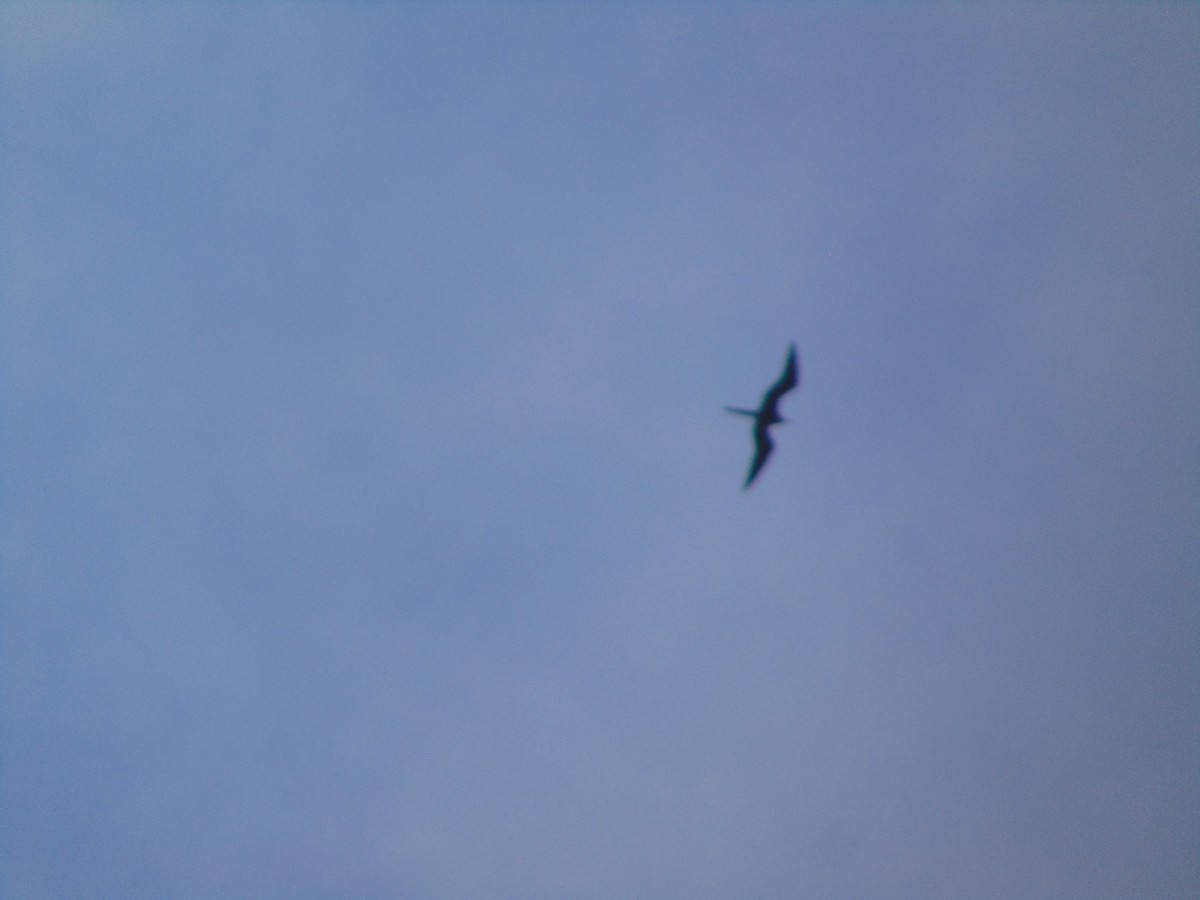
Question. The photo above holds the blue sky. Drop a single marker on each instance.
(371, 525)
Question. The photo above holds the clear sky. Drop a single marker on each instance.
(372, 527)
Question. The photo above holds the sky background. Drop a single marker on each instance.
(371, 525)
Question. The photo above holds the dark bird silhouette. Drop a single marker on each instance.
(767, 414)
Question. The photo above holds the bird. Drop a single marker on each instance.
(767, 414)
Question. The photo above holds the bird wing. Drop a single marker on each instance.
(788, 380)
(762, 449)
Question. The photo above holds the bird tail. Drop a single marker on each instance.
(742, 412)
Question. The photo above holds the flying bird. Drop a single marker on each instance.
(767, 414)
